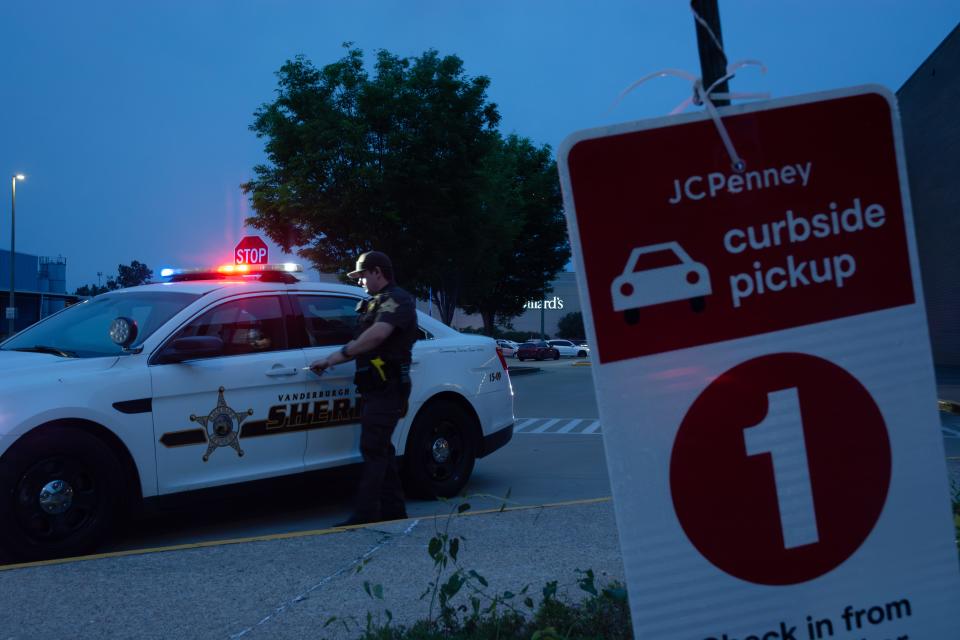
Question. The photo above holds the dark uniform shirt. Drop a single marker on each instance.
(394, 306)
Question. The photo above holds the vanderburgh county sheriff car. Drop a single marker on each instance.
(203, 381)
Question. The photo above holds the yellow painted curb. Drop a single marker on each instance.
(286, 536)
(582, 364)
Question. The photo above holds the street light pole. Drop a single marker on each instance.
(11, 308)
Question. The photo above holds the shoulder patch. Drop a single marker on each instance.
(388, 306)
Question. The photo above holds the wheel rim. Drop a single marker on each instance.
(57, 498)
(445, 449)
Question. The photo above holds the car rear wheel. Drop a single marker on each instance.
(59, 494)
(440, 452)
(556, 355)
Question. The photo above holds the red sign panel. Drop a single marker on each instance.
(811, 231)
(251, 250)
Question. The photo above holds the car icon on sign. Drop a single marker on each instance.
(656, 274)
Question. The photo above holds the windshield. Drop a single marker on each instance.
(82, 330)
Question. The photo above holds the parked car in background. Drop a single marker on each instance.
(508, 348)
(569, 349)
(537, 350)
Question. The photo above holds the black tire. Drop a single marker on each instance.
(519, 358)
(632, 316)
(73, 527)
(581, 354)
(698, 304)
(556, 355)
(440, 453)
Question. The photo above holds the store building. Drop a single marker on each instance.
(40, 288)
(539, 315)
(931, 136)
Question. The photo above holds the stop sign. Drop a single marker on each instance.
(250, 250)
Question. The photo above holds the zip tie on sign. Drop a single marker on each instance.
(703, 96)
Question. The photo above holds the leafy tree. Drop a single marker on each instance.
(392, 161)
(523, 206)
(94, 290)
(136, 273)
(571, 326)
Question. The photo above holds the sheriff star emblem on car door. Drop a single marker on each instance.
(222, 426)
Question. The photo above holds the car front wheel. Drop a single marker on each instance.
(556, 355)
(59, 494)
(581, 354)
(440, 452)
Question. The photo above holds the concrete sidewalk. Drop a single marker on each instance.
(289, 586)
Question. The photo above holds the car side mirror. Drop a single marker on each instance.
(190, 349)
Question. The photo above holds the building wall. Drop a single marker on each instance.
(931, 132)
(563, 299)
(39, 288)
(25, 272)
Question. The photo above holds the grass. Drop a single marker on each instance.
(602, 615)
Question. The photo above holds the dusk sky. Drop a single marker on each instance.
(131, 119)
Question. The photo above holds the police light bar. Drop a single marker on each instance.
(280, 272)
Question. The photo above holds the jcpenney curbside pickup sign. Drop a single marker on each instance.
(765, 379)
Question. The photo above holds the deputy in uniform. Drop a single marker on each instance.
(382, 345)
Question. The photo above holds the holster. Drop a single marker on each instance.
(371, 377)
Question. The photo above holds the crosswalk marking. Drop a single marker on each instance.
(572, 426)
(526, 423)
(589, 426)
(546, 425)
(567, 428)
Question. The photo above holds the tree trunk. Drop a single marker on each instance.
(446, 304)
(488, 325)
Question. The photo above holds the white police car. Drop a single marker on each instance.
(203, 382)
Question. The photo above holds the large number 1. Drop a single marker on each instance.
(780, 434)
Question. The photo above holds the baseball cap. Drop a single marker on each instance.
(369, 260)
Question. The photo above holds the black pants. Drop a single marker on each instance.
(380, 494)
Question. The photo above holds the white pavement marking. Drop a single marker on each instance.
(303, 596)
(573, 426)
(567, 428)
(526, 423)
(546, 425)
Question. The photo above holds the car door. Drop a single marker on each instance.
(223, 419)
(326, 322)
(563, 347)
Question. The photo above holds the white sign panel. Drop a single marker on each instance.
(764, 375)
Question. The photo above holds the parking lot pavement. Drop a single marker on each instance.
(289, 586)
